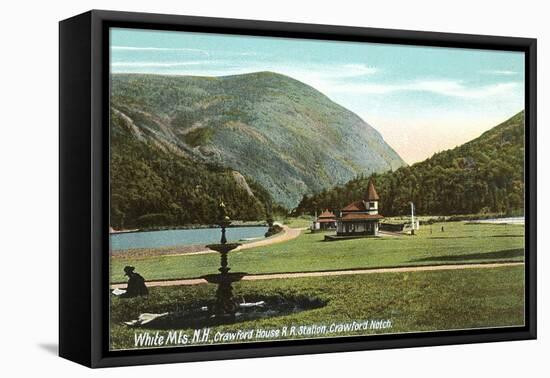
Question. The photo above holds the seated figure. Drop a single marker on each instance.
(136, 284)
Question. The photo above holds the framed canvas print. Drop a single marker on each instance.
(234, 188)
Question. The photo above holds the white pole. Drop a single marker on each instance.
(412, 216)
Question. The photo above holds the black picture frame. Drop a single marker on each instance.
(84, 187)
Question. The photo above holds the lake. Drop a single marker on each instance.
(172, 238)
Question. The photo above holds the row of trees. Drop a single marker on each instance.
(484, 175)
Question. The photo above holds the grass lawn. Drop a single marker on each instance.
(415, 301)
(459, 243)
(297, 222)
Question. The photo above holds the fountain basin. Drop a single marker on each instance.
(224, 278)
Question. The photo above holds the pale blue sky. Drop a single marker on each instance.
(422, 99)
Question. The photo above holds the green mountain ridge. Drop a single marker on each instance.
(283, 135)
(484, 175)
(152, 186)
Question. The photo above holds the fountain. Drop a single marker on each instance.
(225, 305)
(224, 308)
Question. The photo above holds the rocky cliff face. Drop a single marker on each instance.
(285, 135)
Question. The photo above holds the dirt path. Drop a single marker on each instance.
(285, 235)
(257, 277)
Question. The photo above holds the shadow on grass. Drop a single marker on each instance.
(507, 236)
(203, 313)
(370, 238)
(449, 237)
(503, 254)
(474, 237)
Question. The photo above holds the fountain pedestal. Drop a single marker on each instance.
(225, 302)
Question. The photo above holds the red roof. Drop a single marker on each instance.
(327, 214)
(355, 206)
(370, 195)
(371, 192)
(327, 220)
(353, 217)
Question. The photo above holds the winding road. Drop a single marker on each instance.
(283, 236)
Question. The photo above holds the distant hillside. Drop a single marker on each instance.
(483, 175)
(287, 137)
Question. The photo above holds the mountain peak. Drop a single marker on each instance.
(287, 136)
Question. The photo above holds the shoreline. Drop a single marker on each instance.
(189, 227)
(286, 234)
